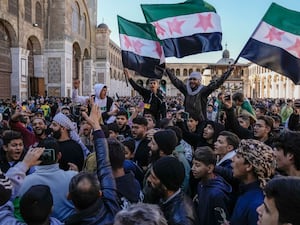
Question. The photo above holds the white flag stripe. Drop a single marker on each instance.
(287, 39)
(188, 27)
(147, 50)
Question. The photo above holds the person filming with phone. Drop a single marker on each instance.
(48, 173)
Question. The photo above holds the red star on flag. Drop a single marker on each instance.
(137, 45)
(159, 29)
(274, 34)
(204, 22)
(158, 49)
(127, 42)
(295, 47)
(175, 26)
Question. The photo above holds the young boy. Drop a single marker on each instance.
(213, 193)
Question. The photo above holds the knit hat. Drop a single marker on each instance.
(5, 189)
(260, 156)
(170, 171)
(64, 121)
(196, 75)
(166, 141)
(36, 204)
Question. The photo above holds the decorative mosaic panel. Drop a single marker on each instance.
(54, 91)
(54, 70)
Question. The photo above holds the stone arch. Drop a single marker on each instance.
(185, 72)
(86, 54)
(37, 49)
(76, 61)
(6, 41)
(10, 32)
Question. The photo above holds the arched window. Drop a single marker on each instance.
(185, 72)
(38, 15)
(13, 7)
(28, 10)
(75, 18)
(190, 71)
(177, 72)
(83, 28)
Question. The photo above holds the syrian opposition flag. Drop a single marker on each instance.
(275, 44)
(186, 28)
(141, 48)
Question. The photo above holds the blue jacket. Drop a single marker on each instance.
(179, 210)
(213, 201)
(104, 210)
(245, 208)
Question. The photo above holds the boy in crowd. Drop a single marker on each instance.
(213, 192)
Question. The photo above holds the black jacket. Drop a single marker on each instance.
(103, 211)
(156, 101)
(196, 104)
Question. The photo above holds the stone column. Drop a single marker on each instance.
(297, 92)
(261, 89)
(281, 87)
(87, 81)
(19, 75)
(274, 91)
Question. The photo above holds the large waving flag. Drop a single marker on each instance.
(275, 44)
(141, 48)
(186, 28)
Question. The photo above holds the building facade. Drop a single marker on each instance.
(264, 83)
(44, 44)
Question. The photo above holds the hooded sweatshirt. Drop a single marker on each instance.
(213, 201)
(105, 104)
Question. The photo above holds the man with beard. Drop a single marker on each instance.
(166, 178)
(69, 142)
(29, 138)
(195, 93)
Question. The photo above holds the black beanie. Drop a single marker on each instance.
(166, 141)
(170, 171)
(36, 204)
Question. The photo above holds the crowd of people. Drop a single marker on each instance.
(191, 159)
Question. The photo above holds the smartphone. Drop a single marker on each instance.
(48, 156)
(185, 115)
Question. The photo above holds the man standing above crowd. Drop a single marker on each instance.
(195, 93)
(106, 103)
(153, 99)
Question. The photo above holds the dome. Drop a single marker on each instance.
(103, 26)
(225, 54)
